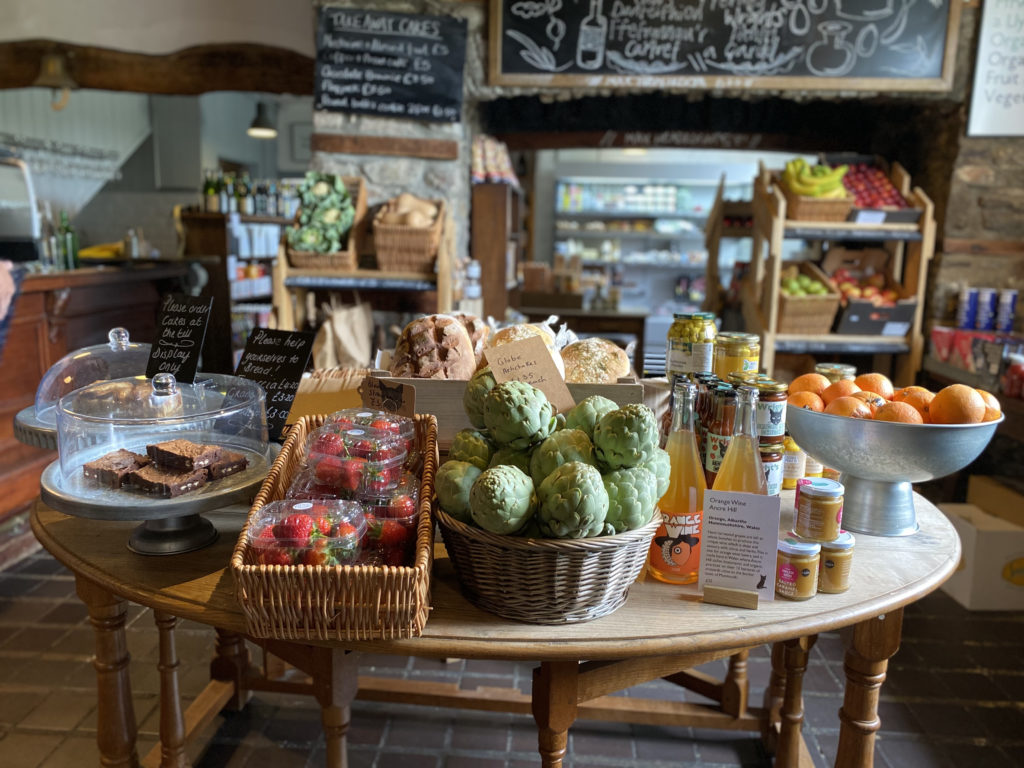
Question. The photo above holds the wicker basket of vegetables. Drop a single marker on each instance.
(323, 235)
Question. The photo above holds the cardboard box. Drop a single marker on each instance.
(990, 576)
(862, 316)
(999, 496)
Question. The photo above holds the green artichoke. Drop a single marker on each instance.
(585, 414)
(516, 458)
(573, 502)
(502, 499)
(660, 465)
(632, 497)
(477, 388)
(472, 446)
(626, 437)
(453, 481)
(518, 414)
(559, 448)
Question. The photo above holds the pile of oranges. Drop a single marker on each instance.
(872, 396)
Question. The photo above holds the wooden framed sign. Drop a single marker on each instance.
(862, 45)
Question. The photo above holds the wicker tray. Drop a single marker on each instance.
(348, 259)
(545, 581)
(350, 602)
(808, 314)
(407, 249)
(801, 208)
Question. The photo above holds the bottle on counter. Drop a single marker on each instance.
(68, 242)
(243, 193)
(273, 201)
(741, 468)
(228, 204)
(719, 430)
(675, 550)
(211, 193)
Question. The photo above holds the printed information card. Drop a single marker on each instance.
(740, 542)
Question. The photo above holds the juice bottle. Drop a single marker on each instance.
(719, 431)
(675, 551)
(741, 468)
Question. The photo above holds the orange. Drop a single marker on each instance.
(921, 399)
(874, 401)
(901, 394)
(957, 404)
(993, 410)
(842, 388)
(875, 382)
(903, 413)
(809, 382)
(849, 406)
(806, 400)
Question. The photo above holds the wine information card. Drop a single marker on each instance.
(739, 542)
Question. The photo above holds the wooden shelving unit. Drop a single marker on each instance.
(715, 231)
(498, 241)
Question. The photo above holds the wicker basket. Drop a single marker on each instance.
(348, 259)
(808, 314)
(407, 249)
(801, 208)
(349, 602)
(545, 581)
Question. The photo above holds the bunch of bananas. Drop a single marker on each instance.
(814, 180)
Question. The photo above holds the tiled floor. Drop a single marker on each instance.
(954, 697)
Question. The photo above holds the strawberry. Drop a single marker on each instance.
(329, 444)
(387, 425)
(352, 474)
(393, 535)
(345, 530)
(275, 556)
(318, 554)
(295, 528)
(401, 506)
(324, 525)
(266, 535)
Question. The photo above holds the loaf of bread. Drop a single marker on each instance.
(524, 331)
(434, 347)
(478, 332)
(594, 361)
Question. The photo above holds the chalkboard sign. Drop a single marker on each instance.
(181, 328)
(886, 45)
(276, 360)
(390, 64)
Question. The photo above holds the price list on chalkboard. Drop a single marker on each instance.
(276, 360)
(390, 64)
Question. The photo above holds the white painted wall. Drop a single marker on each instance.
(224, 117)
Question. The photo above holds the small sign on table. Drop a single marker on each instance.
(181, 328)
(276, 360)
(530, 360)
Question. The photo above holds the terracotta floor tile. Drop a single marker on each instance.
(79, 641)
(28, 750)
(74, 752)
(23, 610)
(16, 705)
(35, 639)
(60, 711)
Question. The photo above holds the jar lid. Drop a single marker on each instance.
(770, 385)
(682, 315)
(822, 487)
(793, 546)
(704, 315)
(736, 337)
(845, 540)
(836, 367)
(775, 448)
(741, 377)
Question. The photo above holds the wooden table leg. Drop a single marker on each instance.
(736, 686)
(772, 701)
(335, 683)
(231, 665)
(874, 643)
(172, 723)
(792, 714)
(555, 690)
(115, 715)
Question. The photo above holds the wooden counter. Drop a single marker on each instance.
(54, 314)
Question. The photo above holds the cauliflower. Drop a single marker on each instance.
(573, 502)
(660, 465)
(567, 445)
(518, 414)
(452, 484)
(586, 413)
(520, 459)
(472, 446)
(477, 388)
(502, 500)
(626, 437)
(321, 189)
(632, 497)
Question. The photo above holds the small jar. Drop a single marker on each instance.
(819, 509)
(794, 461)
(736, 352)
(836, 371)
(813, 467)
(771, 410)
(742, 378)
(771, 460)
(834, 567)
(691, 344)
(831, 474)
(796, 569)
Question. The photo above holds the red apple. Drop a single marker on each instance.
(870, 292)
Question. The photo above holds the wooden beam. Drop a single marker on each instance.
(393, 146)
(648, 139)
(987, 247)
(190, 71)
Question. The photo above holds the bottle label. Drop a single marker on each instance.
(675, 550)
(793, 463)
(689, 357)
(771, 418)
(715, 451)
(812, 467)
(773, 476)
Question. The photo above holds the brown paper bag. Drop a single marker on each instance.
(345, 336)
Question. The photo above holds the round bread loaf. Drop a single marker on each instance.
(520, 332)
(434, 347)
(478, 332)
(594, 361)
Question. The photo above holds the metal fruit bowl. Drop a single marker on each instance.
(879, 460)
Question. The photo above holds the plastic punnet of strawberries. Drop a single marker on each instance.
(354, 460)
(297, 532)
(403, 427)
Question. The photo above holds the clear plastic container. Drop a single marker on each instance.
(355, 460)
(293, 532)
(391, 524)
(382, 420)
(400, 503)
(305, 486)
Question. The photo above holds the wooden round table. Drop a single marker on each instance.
(660, 632)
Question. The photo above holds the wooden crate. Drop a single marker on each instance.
(808, 314)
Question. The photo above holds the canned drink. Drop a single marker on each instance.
(1007, 310)
(988, 300)
(967, 309)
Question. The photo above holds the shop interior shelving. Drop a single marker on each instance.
(911, 247)
(719, 226)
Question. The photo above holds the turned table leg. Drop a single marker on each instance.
(874, 643)
(792, 713)
(115, 715)
(335, 683)
(554, 708)
(736, 686)
(172, 723)
(231, 664)
(772, 701)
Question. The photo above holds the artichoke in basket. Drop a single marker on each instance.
(559, 448)
(660, 466)
(518, 414)
(502, 499)
(626, 437)
(516, 458)
(632, 496)
(453, 482)
(477, 388)
(472, 446)
(585, 414)
(573, 502)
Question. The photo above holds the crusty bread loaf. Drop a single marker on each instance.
(434, 347)
(478, 332)
(594, 361)
(520, 332)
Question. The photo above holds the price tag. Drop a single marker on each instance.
(739, 542)
(276, 360)
(530, 360)
(181, 328)
(395, 397)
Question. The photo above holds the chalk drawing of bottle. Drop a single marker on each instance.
(593, 32)
(833, 55)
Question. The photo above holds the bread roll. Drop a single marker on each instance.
(594, 361)
(434, 347)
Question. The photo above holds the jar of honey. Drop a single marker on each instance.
(796, 570)
(834, 567)
(736, 352)
(836, 371)
(819, 509)
(771, 460)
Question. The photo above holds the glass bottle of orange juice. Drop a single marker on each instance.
(675, 551)
(741, 468)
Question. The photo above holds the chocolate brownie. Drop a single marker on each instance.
(228, 463)
(113, 469)
(183, 455)
(167, 483)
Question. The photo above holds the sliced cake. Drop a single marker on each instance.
(228, 463)
(166, 482)
(112, 470)
(182, 455)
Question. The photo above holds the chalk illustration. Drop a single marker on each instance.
(592, 36)
(832, 56)
(864, 10)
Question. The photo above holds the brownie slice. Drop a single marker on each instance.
(228, 463)
(112, 470)
(183, 455)
(167, 483)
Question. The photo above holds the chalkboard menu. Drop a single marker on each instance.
(276, 360)
(694, 44)
(181, 328)
(390, 64)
